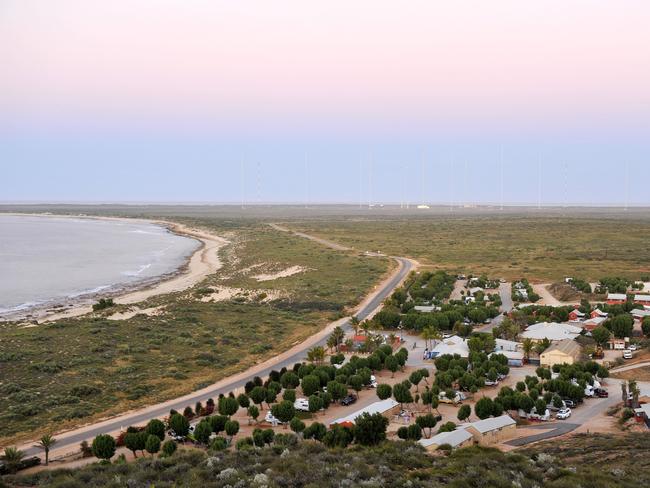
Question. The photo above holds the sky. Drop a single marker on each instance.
(338, 101)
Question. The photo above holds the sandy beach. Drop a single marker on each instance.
(202, 263)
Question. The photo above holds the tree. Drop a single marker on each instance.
(391, 364)
(258, 395)
(12, 458)
(527, 347)
(355, 323)
(219, 444)
(243, 400)
(601, 335)
(402, 394)
(283, 411)
(253, 412)
(337, 390)
(337, 337)
(297, 425)
(46, 442)
(179, 424)
(369, 429)
(134, 442)
(415, 378)
(316, 354)
(218, 423)
(427, 421)
(203, 431)
(169, 447)
(228, 406)
(384, 391)
(338, 436)
(232, 427)
(315, 431)
(103, 447)
(621, 325)
(152, 445)
(464, 412)
(290, 380)
(355, 382)
(315, 403)
(156, 427)
(483, 408)
(310, 384)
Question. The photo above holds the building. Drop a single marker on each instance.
(642, 300)
(576, 315)
(424, 308)
(564, 352)
(456, 439)
(592, 323)
(387, 406)
(640, 313)
(515, 358)
(616, 298)
(475, 290)
(552, 331)
(451, 345)
(493, 430)
(503, 345)
(598, 313)
(617, 344)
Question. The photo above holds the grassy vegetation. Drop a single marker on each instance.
(596, 461)
(541, 248)
(69, 372)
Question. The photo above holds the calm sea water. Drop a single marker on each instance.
(49, 260)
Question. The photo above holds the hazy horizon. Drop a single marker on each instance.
(166, 101)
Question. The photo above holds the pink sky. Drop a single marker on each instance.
(416, 65)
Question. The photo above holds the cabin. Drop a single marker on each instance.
(384, 407)
(592, 323)
(642, 300)
(492, 431)
(640, 314)
(576, 315)
(616, 298)
(564, 352)
(598, 313)
(456, 439)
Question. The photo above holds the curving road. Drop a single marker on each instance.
(69, 441)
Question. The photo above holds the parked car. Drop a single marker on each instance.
(457, 399)
(301, 404)
(349, 400)
(627, 354)
(491, 383)
(271, 419)
(373, 381)
(569, 403)
(601, 393)
(563, 414)
(632, 347)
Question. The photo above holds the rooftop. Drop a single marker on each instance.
(616, 296)
(552, 331)
(493, 423)
(567, 346)
(453, 438)
(377, 407)
(642, 298)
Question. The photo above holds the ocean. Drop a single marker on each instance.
(48, 261)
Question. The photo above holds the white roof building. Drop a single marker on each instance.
(640, 313)
(453, 438)
(426, 308)
(451, 345)
(377, 407)
(493, 423)
(616, 296)
(476, 290)
(642, 298)
(503, 345)
(595, 322)
(551, 331)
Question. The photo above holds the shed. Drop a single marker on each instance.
(493, 430)
(566, 351)
(456, 438)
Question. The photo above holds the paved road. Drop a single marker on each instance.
(629, 367)
(505, 292)
(74, 438)
(549, 431)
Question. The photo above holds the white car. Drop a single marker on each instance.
(271, 419)
(632, 347)
(373, 381)
(563, 414)
(627, 354)
(301, 404)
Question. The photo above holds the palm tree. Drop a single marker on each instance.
(338, 335)
(354, 322)
(12, 458)
(46, 442)
(316, 354)
(527, 345)
(365, 325)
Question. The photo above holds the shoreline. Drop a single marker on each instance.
(201, 263)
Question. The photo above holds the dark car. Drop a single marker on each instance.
(569, 403)
(349, 400)
(601, 393)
